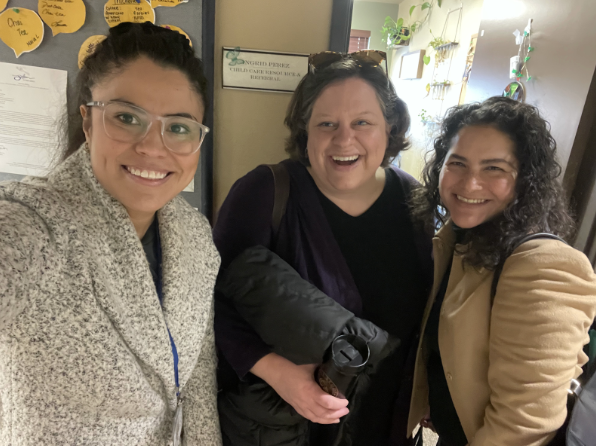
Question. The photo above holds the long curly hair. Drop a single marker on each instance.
(312, 85)
(539, 204)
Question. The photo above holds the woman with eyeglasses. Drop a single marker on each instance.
(346, 232)
(106, 275)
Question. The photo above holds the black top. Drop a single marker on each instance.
(442, 411)
(379, 248)
(150, 242)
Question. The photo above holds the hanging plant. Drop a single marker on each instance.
(525, 48)
(436, 44)
(426, 6)
(394, 32)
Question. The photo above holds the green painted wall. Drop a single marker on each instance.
(370, 16)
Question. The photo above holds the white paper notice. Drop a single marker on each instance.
(32, 102)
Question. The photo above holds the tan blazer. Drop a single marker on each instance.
(508, 370)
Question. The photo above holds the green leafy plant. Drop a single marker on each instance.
(424, 116)
(394, 32)
(434, 44)
(425, 6)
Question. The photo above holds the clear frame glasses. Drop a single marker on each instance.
(128, 123)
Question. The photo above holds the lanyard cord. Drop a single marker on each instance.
(159, 289)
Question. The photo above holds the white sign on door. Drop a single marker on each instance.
(263, 70)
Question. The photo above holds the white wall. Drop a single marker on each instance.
(562, 65)
(414, 91)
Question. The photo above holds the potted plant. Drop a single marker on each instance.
(395, 33)
(426, 118)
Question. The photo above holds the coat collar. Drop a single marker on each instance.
(121, 277)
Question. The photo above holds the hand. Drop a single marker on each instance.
(297, 386)
(427, 422)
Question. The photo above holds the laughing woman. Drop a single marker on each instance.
(511, 304)
(106, 276)
(346, 230)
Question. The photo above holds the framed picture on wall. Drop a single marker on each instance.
(411, 65)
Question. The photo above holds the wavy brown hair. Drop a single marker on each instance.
(539, 204)
(312, 85)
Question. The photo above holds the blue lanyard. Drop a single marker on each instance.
(158, 287)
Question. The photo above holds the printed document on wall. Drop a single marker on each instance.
(32, 103)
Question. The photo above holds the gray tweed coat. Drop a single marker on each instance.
(85, 357)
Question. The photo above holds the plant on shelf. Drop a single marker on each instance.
(436, 43)
(395, 33)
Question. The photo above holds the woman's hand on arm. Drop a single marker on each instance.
(545, 303)
(297, 386)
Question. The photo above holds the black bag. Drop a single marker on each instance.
(418, 438)
(581, 430)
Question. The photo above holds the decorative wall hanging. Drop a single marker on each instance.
(468, 68)
(88, 48)
(62, 17)
(411, 65)
(519, 63)
(21, 29)
(515, 90)
(136, 11)
(444, 47)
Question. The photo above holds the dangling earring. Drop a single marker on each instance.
(87, 147)
(306, 153)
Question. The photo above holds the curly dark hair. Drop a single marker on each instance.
(124, 44)
(539, 204)
(312, 85)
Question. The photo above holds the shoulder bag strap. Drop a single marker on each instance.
(281, 179)
(499, 268)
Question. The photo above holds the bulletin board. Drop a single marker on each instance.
(196, 18)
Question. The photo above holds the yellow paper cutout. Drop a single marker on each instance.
(136, 11)
(175, 28)
(170, 3)
(62, 16)
(3, 4)
(88, 48)
(21, 29)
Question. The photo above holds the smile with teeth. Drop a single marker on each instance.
(148, 174)
(345, 158)
(470, 200)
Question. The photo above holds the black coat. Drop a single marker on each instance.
(299, 322)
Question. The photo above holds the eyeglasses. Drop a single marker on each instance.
(371, 58)
(130, 124)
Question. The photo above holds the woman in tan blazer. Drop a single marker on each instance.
(495, 371)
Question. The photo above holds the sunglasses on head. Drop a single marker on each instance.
(372, 58)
